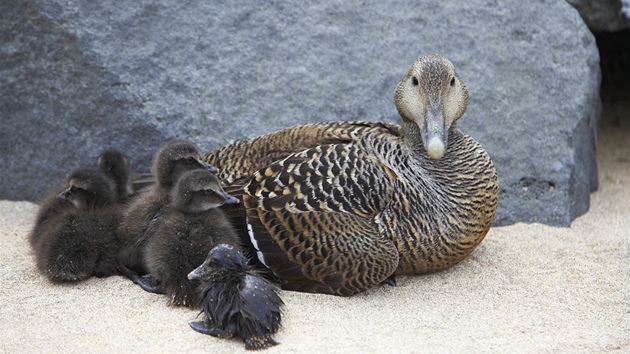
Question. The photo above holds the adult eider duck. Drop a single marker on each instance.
(338, 207)
(188, 229)
(237, 301)
(75, 238)
(172, 160)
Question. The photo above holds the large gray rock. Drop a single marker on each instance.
(604, 15)
(79, 76)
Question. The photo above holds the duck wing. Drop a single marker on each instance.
(312, 218)
(239, 160)
(319, 252)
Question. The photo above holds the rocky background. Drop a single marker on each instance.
(604, 15)
(77, 77)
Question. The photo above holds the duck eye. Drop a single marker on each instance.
(414, 81)
(453, 81)
(190, 159)
(208, 192)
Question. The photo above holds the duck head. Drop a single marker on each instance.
(430, 99)
(88, 188)
(198, 191)
(175, 158)
(221, 260)
(115, 165)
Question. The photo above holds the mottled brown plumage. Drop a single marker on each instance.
(339, 207)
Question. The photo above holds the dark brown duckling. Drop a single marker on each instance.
(172, 160)
(116, 167)
(76, 237)
(236, 300)
(49, 209)
(188, 229)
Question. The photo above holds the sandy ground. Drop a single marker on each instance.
(528, 288)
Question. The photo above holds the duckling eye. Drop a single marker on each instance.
(208, 192)
(190, 159)
(414, 81)
(453, 81)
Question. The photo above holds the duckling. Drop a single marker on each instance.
(115, 166)
(339, 207)
(76, 237)
(171, 161)
(112, 163)
(237, 301)
(189, 227)
(49, 210)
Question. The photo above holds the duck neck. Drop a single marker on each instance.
(411, 136)
(452, 203)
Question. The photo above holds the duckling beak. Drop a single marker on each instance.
(209, 167)
(204, 271)
(229, 199)
(433, 133)
(64, 195)
(197, 273)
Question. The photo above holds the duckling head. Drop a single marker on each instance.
(88, 188)
(198, 191)
(114, 164)
(430, 99)
(222, 259)
(175, 158)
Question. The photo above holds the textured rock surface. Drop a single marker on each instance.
(79, 76)
(604, 15)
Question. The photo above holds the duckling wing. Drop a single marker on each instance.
(312, 215)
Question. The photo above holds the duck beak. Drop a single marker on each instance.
(433, 133)
(204, 271)
(64, 195)
(197, 273)
(229, 199)
(209, 167)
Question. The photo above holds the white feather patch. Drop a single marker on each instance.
(261, 257)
